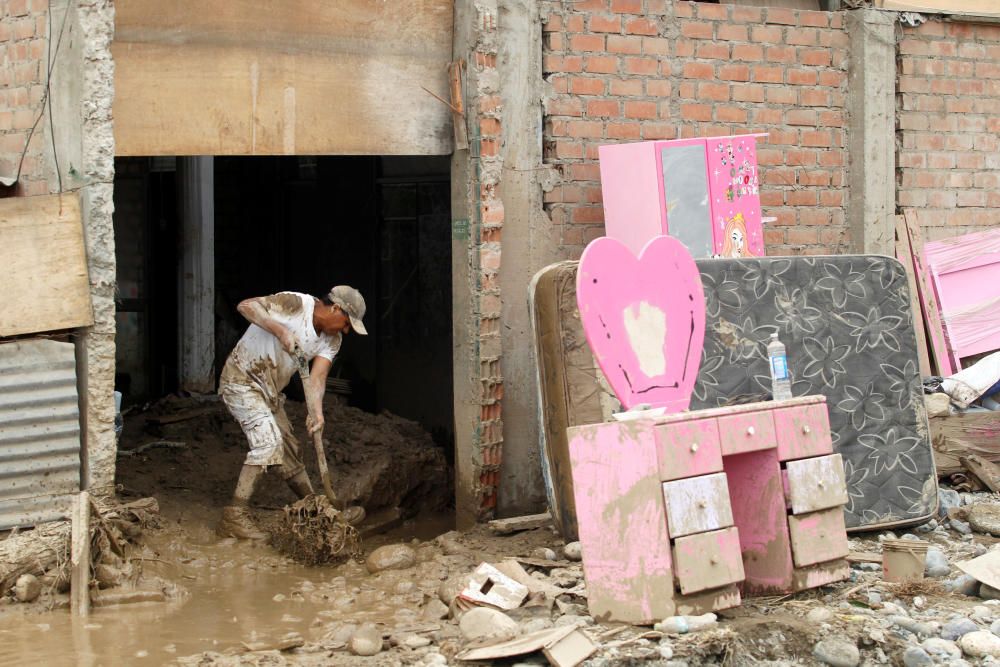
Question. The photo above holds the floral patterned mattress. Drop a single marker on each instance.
(847, 327)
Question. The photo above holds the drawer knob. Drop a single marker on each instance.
(751, 430)
(806, 429)
(820, 484)
(714, 560)
(694, 448)
(702, 504)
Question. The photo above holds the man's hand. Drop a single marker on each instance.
(314, 424)
(287, 340)
(253, 310)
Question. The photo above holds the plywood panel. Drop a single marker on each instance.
(45, 286)
(300, 77)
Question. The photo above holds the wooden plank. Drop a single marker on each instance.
(954, 436)
(570, 651)
(519, 523)
(960, 7)
(301, 77)
(940, 355)
(905, 255)
(987, 472)
(46, 285)
(80, 556)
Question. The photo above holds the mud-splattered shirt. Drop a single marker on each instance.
(259, 361)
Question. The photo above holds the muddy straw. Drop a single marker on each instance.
(313, 532)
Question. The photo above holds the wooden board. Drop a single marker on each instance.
(302, 77)
(959, 435)
(940, 355)
(905, 255)
(46, 285)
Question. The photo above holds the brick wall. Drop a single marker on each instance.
(630, 70)
(23, 42)
(949, 126)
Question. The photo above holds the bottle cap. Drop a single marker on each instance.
(774, 336)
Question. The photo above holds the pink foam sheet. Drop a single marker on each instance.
(965, 271)
(644, 319)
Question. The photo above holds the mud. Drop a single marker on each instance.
(312, 532)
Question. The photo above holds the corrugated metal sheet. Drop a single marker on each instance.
(39, 431)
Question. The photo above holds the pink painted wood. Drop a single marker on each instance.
(965, 271)
(632, 193)
(802, 431)
(644, 319)
(623, 529)
(735, 190)
(688, 449)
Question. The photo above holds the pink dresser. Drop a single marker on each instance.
(682, 513)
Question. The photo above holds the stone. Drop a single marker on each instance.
(987, 592)
(914, 656)
(964, 585)
(535, 625)
(415, 642)
(565, 577)
(434, 610)
(960, 526)
(947, 498)
(936, 564)
(980, 644)
(482, 623)
(666, 651)
(573, 551)
(366, 640)
(981, 613)
(27, 588)
(837, 653)
(819, 615)
(544, 553)
(927, 527)
(985, 518)
(452, 586)
(941, 649)
(391, 557)
(958, 628)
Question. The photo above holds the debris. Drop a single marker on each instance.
(313, 532)
(80, 555)
(864, 557)
(980, 644)
(985, 518)
(958, 628)
(937, 404)
(290, 641)
(564, 647)
(573, 551)
(837, 653)
(164, 444)
(111, 598)
(519, 523)
(544, 553)
(569, 651)
(985, 568)
(482, 624)
(27, 588)
(366, 640)
(490, 586)
(434, 610)
(679, 625)
(819, 615)
(513, 569)
(987, 592)
(986, 471)
(391, 557)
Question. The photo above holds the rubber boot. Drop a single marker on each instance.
(354, 514)
(236, 520)
(300, 484)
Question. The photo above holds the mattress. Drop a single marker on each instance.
(846, 323)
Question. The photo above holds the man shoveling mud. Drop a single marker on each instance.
(282, 326)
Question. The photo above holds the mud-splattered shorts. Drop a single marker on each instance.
(266, 426)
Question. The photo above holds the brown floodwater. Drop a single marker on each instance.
(234, 592)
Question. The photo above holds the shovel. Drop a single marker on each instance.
(324, 470)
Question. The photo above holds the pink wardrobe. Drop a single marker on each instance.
(703, 192)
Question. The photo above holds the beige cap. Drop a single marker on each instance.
(352, 303)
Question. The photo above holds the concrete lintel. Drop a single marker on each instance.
(872, 130)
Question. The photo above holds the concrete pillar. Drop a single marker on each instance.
(196, 180)
(872, 130)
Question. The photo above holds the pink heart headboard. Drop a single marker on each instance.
(644, 319)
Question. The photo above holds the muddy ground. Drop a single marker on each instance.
(236, 603)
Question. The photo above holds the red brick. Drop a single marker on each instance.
(24, 28)
(642, 66)
(972, 51)
(658, 88)
(766, 34)
(767, 117)
(687, 90)
(780, 54)
(17, 7)
(801, 117)
(802, 77)
(635, 109)
(553, 23)
(748, 93)
(727, 114)
(748, 52)
(781, 95)
(624, 131)
(818, 138)
(488, 147)
(734, 73)
(586, 129)
(782, 16)
(653, 131)
(808, 216)
(766, 74)
(586, 43)
(801, 236)
(572, 64)
(606, 24)
(609, 108)
(625, 87)
(684, 49)
(712, 12)
(833, 198)
(554, 41)
(800, 157)
(970, 161)
(696, 112)
(626, 6)
(587, 214)
(815, 57)
(601, 64)
(564, 106)
(581, 86)
(692, 70)
(489, 126)
(831, 159)
(655, 46)
(696, 30)
(563, 150)
(802, 37)
(814, 98)
(782, 137)
(642, 26)
(712, 51)
(815, 178)
(747, 14)
(831, 119)
(732, 33)
(814, 19)
(832, 79)
(717, 92)
(625, 44)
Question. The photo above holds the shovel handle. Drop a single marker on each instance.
(324, 470)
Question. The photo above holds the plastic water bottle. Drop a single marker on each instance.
(680, 625)
(781, 382)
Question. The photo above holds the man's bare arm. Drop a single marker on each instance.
(253, 310)
(315, 388)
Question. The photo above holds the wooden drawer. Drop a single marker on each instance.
(708, 560)
(748, 432)
(802, 431)
(818, 537)
(816, 483)
(697, 505)
(688, 449)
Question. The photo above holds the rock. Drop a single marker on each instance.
(837, 653)
(483, 623)
(874, 598)
(366, 640)
(544, 553)
(391, 557)
(404, 587)
(415, 641)
(960, 526)
(573, 551)
(941, 649)
(27, 588)
(914, 656)
(452, 586)
(917, 628)
(995, 628)
(936, 564)
(819, 615)
(573, 619)
(985, 518)
(964, 585)
(958, 628)
(927, 527)
(534, 625)
(666, 651)
(947, 499)
(434, 610)
(980, 644)
(565, 577)
(987, 592)
(981, 613)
